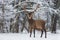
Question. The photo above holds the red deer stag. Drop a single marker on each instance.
(35, 24)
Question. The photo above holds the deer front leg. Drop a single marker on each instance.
(45, 32)
(41, 33)
(30, 32)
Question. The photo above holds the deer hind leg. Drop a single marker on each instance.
(41, 33)
(34, 32)
(45, 32)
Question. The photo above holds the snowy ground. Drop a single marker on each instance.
(25, 36)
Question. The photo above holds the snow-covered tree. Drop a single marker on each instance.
(45, 12)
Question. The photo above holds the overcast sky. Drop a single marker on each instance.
(0, 0)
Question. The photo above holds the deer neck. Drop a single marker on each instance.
(31, 21)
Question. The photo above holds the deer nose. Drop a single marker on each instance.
(29, 17)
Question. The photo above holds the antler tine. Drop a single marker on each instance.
(37, 7)
(24, 8)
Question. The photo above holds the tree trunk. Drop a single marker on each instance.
(3, 15)
(54, 22)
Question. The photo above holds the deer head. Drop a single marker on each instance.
(30, 15)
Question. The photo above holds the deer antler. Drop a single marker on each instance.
(37, 7)
(24, 8)
(33, 11)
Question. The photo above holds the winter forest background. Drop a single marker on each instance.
(13, 19)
